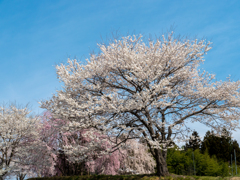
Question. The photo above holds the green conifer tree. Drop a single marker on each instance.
(194, 142)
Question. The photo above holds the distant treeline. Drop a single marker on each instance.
(209, 157)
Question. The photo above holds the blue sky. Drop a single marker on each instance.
(37, 35)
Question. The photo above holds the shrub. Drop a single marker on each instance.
(181, 162)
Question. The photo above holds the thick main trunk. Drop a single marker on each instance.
(160, 157)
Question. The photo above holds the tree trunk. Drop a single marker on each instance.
(160, 157)
(21, 176)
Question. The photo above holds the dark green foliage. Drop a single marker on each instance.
(221, 147)
(194, 142)
(96, 177)
(225, 170)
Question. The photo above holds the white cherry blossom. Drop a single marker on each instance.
(147, 91)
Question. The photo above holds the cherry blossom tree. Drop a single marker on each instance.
(133, 158)
(55, 139)
(17, 132)
(74, 163)
(40, 160)
(65, 144)
(145, 90)
(52, 137)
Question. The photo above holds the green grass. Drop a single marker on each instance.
(135, 177)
